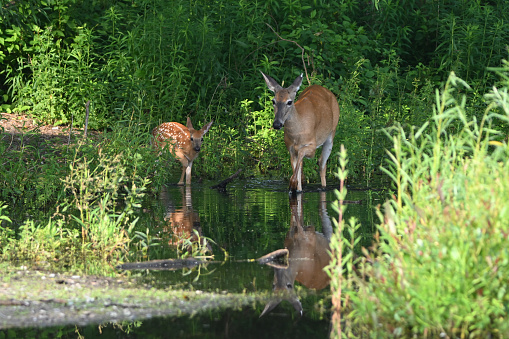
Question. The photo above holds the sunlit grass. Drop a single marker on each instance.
(440, 263)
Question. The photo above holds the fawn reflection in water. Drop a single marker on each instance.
(184, 224)
(307, 252)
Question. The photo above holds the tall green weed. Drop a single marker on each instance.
(30, 170)
(440, 261)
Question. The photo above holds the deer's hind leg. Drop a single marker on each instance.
(322, 162)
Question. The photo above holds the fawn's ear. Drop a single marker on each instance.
(189, 124)
(206, 128)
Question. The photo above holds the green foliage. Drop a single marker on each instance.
(151, 61)
(469, 40)
(343, 246)
(265, 144)
(31, 170)
(38, 243)
(99, 195)
(2, 208)
(440, 262)
(194, 246)
(145, 242)
(96, 190)
(5, 232)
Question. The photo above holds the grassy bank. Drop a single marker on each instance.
(440, 260)
(75, 204)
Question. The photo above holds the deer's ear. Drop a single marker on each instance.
(271, 83)
(296, 84)
(296, 304)
(206, 128)
(270, 306)
(189, 124)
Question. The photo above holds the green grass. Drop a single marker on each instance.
(439, 264)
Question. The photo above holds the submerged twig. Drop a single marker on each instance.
(270, 259)
(222, 185)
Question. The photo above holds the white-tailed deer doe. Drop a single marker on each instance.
(184, 142)
(308, 254)
(309, 123)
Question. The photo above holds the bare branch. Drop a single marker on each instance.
(294, 42)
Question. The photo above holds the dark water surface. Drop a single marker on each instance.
(253, 218)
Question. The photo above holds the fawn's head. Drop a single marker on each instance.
(196, 136)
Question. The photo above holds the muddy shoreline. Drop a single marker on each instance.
(33, 298)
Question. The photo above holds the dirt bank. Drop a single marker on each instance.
(31, 298)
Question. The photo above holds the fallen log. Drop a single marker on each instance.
(169, 264)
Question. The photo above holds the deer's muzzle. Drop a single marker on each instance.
(277, 124)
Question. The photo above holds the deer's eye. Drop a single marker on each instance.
(289, 102)
(274, 102)
(288, 285)
(192, 139)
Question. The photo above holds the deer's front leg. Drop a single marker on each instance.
(295, 179)
(181, 181)
(188, 173)
(307, 151)
(185, 166)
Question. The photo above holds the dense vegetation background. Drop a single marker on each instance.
(141, 62)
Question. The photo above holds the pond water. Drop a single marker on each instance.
(248, 221)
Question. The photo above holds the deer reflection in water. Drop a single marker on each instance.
(307, 256)
(184, 224)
